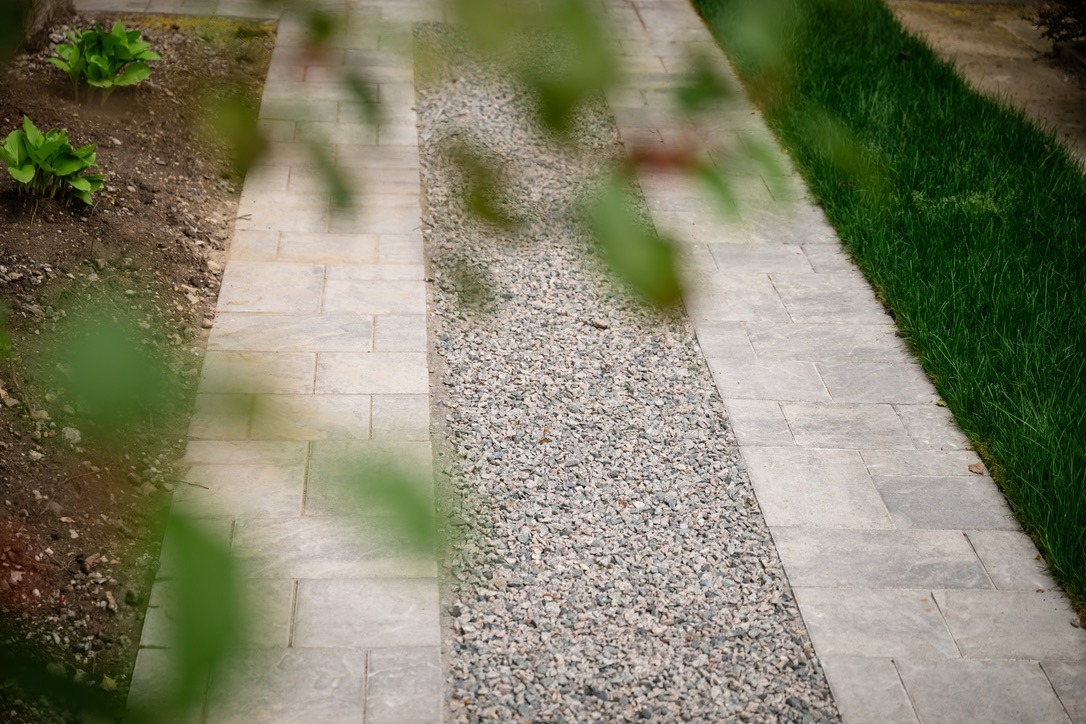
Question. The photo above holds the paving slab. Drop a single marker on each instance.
(821, 488)
(291, 685)
(945, 502)
(880, 623)
(393, 693)
(868, 689)
(879, 559)
(1013, 624)
(988, 691)
(361, 613)
(1068, 678)
(1011, 560)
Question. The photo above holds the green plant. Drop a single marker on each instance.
(46, 164)
(105, 60)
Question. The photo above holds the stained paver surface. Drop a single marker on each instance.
(923, 598)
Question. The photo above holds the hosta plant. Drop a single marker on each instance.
(46, 164)
(104, 60)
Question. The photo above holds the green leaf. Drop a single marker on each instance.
(148, 55)
(33, 135)
(639, 256)
(719, 187)
(24, 174)
(134, 73)
(60, 64)
(79, 183)
(14, 149)
(68, 164)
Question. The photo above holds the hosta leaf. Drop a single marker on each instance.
(134, 73)
(84, 196)
(95, 180)
(60, 64)
(14, 150)
(86, 153)
(24, 174)
(68, 164)
(148, 55)
(33, 135)
(79, 183)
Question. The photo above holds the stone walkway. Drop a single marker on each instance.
(923, 598)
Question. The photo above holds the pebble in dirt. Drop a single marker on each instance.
(617, 566)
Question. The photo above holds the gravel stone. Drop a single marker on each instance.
(607, 560)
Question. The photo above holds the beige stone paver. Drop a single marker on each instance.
(924, 600)
(317, 357)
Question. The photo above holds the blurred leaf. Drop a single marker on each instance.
(481, 183)
(382, 488)
(235, 122)
(584, 66)
(559, 49)
(116, 380)
(320, 24)
(761, 158)
(769, 31)
(342, 193)
(704, 86)
(205, 601)
(492, 26)
(362, 91)
(640, 257)
(832, 141)
(719, 187)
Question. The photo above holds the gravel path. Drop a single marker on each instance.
(616, 565)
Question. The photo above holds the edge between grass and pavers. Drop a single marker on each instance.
(966, 219)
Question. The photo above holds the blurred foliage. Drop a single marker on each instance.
(1062, 20)
(102, 364)
(642, 258)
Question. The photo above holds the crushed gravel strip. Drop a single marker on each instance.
(612, 563)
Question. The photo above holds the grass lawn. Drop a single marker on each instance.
(969, 221)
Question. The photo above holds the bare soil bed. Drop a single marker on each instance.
(78, 521)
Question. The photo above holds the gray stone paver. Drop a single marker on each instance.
(316, 364)
(921, 607)
(924, 600)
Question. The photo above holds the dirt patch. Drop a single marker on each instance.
(78, 522)
(1000, 52)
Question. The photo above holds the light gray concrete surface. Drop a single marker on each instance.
(923, 598)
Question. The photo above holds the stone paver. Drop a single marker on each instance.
(924, 600)
(316, 367)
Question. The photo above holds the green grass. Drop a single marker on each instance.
(967, 219)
